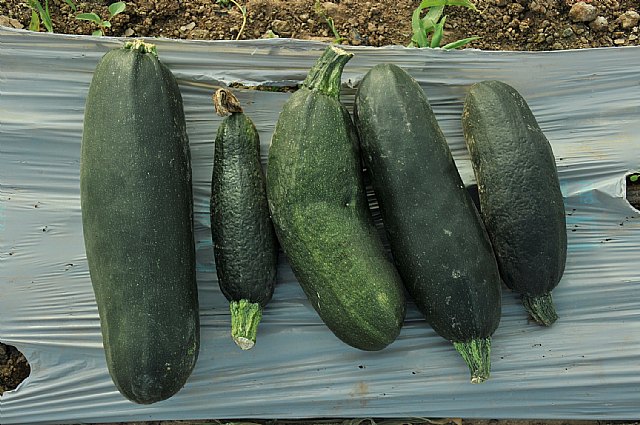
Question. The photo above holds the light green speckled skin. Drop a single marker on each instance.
(135, 184)
(520, 197)
(321, 216)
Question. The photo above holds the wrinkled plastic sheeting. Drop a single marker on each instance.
(586, 366)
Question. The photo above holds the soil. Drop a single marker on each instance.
(13, 367)
(500, 24)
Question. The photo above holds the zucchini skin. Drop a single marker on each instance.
(244, 241)
(320, 213)
(137, 209)
(437, 238)
(520, 197)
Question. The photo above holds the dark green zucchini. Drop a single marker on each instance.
(438, 241)
(520, 197)
(137, 208)
(320, 212)
(244, 243)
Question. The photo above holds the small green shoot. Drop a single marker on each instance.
(41, 14)
(114, 9)
(428, 30)
(243, 10)
(634, 178)
(337, 38)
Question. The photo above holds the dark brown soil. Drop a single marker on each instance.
(633, 190)
(13, 368)
(500, 24)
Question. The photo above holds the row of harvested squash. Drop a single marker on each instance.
(137, 212)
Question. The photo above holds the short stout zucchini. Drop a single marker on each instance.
(520, 198)
(137, 208)
(438, 242)
(244, 242)
(321, 216)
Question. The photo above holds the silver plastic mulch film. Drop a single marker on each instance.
(587, 366)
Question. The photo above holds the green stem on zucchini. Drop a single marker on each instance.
(142, 47)
(326, 73)
(540, 308)
(477, 354)
(245, 317)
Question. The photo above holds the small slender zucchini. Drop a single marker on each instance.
(438, 241)
(520, 197)
(137, 211)
(244, 243)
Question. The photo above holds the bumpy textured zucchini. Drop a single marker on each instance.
(244, 242)
(520, 197)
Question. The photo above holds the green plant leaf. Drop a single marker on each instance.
(431, 3)
(419, 37)
(432, 22)
(70, 3)
(634, 178)
(106, 24)
(34, 25)
(433, 15)
(42, 12)
(459, 43)
(89, 17)
(97, 33)
(116, 8)
(428, 27)
(46, 17)
(437, 33)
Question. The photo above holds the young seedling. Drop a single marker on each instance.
(427, 30)
(42, 14)
(243, 10)
(337, 38)
(114, 9)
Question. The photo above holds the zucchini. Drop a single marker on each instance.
(137, 210)
(321, 216)
(437, 239)
(244, 242)
(520, 197)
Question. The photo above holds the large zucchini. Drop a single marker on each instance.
(438, 241)
(135, 186)
(320, 212)
(244, 242)
(520, 197)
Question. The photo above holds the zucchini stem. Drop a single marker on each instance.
(325, 75)
(245, 317)
(540, 308)
(477, 354)
(225, 102)
(141, 46)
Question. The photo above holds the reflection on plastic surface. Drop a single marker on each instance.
(584, 367)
